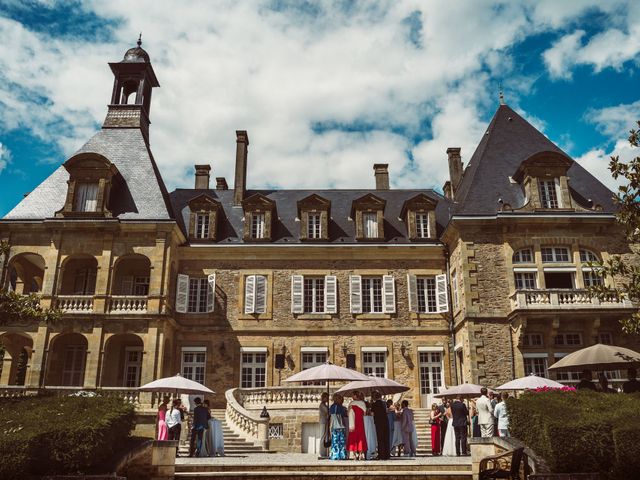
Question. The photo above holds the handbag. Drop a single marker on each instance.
(336, 422)
(327, 437)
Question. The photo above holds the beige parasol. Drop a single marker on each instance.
(598, 357)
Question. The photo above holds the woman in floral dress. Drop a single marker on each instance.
(338, 430)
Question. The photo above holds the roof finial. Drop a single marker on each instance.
(140, 40)
(501, 95)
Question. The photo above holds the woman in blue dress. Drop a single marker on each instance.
(338, 429)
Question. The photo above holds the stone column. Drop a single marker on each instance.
(163, 459)
(36, 375)
(103, 275)
(150, 353)
(7, 361)
(91, 371)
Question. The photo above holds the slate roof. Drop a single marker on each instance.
(508, 141)
(138, 192)
(287, 229)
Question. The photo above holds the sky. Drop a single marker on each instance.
(325, 89)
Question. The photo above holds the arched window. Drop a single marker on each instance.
(588, 256)
(524, 255)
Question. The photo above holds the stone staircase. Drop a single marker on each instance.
(423, 428)
(234, 444)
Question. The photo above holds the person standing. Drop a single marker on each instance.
(435, 420)
(391, 420)
(502, 416)
(460, 415)
(337, 413)
(475, 426)
(632, 385)
(604, 384)
(357, 440)
(174, 421)
(408, 425)
(485, 414)
(444, 420)
(381, 421)
(323, 418)
(201, 417)
(163, 430)
(585, 382)
(494, 401)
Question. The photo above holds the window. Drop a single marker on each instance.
(555, 254)
(559, 280)
(454, 282)
(526, 280)
(588, 256)
(313, 359)
(253, 371)
(257, 225)
(141, 286)
(422, 225)
(132, 367)
(548, 193)
(430, 372)
(86, 197)
(193, 363)
(374, 364)
(592, 278)
(523, 256)
(568, 339)
(198, 291)
(202, 225)
(255, 294)
(532, 340)
(605, 338)
(370, 224)
(568, 377)
(84, 282)
(313, 295)
(426, 287)
(73, 367)
(536, 365)
(372, 295)
(314, 227)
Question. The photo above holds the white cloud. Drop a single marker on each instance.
(5, 157)
(617, 120)
(597, 161)
(558, 57)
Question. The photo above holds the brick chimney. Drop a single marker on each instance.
(202, 177)
(455, 168)
(381, 171)
(240, 185)
(221, 183)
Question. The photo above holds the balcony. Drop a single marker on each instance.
(562, 299)
(128, 304)
(75, 303)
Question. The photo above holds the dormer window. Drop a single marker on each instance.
(367, 212)
(86, 197)
(422, 225)
(549, 193)
(370, 224)
(204, 214)
(419, 214)
(259, 217)
(202, 225)
(544, 179)
(314, 226)
(313, 213)
(257, 225)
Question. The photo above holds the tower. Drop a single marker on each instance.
(133, 82)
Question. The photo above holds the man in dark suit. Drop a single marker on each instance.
(201, 417)
(460, 415)
(442, 408)
(379, 409)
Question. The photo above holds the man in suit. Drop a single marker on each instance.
(201, 417)
(585, 383)
(632, 385)
(485, 414)
(442, 408)
(380, 419)
(460, 415)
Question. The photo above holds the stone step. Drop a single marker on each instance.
(221, 465)
(342, 475)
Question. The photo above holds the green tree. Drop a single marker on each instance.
(627, 274)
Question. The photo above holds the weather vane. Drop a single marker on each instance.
(501, 95)
(140, 39)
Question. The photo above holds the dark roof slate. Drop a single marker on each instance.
(508, 141)
(287, 229)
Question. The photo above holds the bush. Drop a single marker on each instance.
(580, 432)
(58, 435)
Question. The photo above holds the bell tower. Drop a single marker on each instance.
(133, 82)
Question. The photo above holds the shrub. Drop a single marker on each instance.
(57, 435)
(580, 432)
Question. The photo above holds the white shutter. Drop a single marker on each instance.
(355, 292)
(297, 290)
(412, 285)
(388, 294)
(250, 294)
(442, 303)
(558, 191)
(330, 294)
(126, 288)
(211, 292)
(261, 294)
(182, 293)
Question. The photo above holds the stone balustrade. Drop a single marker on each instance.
(280, 397)
(75, 303)
(248, 425)
(562, 299)
(128, 304)
(128, 395)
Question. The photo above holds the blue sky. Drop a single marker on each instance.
(325, 88)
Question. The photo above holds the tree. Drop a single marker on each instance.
(627, 274)
(16, 308)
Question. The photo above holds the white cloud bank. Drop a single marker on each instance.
(231, 65)
(5, 157)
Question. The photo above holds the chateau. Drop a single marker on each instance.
(240, 288)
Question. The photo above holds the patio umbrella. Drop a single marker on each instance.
(529, 382)
(384, 385)
(465, 390)
(598, 357)
(327, 372)
(177, 384)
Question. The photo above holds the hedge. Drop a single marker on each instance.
(49, 435)
(580, 432)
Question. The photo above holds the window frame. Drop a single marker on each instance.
(200, 293)
(314, 227)
(517, 256)
(194, 364)
(549, 197)
(310, 287)
(426, 293)
(422, 225)
(258, 225)
(83, 187)
(370, 296)
(253, 366)
(535, 360)
(517, 278)
(202, 230)
(526, 340)
(370, 218)
(374, 363)
(555, 254)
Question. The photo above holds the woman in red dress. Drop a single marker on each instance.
(435, 429)
(357, 440)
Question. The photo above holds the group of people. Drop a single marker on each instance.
(450, 420)
(363, 428)
(206, 437)
(632, 385)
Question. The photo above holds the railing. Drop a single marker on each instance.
(279, 397)
(563, 299)
(247, 424)
(128, 304)
(75, 303)
(128, 395)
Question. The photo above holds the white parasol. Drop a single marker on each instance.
(598, 357)
(529, 382)
(383, 385)
(327, 372)
(177, 384)
(465, 390)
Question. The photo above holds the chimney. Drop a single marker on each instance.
(240, 185)
(381, 171)
(455, 168)
(221, 183)
(202, 177)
